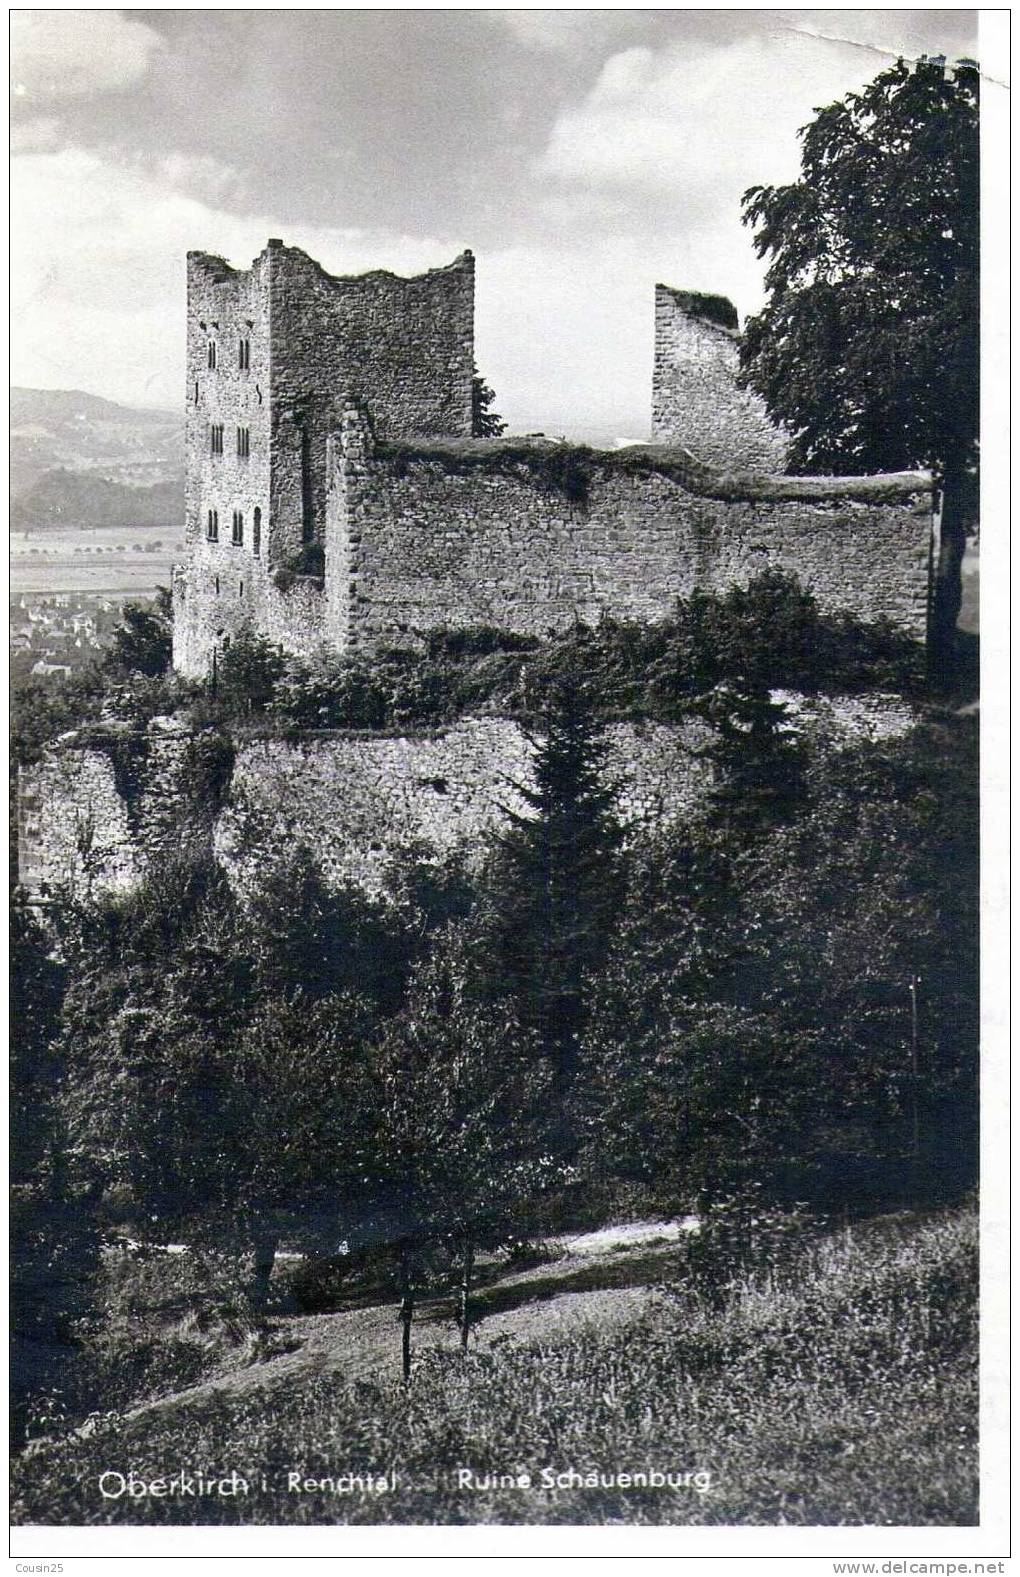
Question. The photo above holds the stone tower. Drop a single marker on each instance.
(274, 354)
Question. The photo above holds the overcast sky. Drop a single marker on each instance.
(582, 155)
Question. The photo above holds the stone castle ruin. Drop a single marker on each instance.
(336, 496)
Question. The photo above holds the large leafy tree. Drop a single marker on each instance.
(754, 1019)
(867, 347)
(463, 1146)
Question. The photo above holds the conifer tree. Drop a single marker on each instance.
(557, 880)
(759, 760)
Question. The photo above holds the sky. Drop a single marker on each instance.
(582, 155)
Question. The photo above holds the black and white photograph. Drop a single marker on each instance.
(497, 1050)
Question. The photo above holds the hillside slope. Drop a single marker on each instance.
(61, 439)
(839, 1391)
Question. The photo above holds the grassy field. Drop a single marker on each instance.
(841, 1391)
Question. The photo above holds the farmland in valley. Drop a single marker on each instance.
(116, 559)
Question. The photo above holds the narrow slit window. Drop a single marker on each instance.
(216, 439)
(237, 529)
(240, 588)
(217, 585)
(212, 525)
(243, 443)
(212, 355)
(256, 531)
(244, 355)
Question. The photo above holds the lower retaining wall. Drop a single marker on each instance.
(357, 802)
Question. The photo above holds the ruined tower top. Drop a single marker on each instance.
(696, 400)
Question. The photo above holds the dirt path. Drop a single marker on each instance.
(602, 1278)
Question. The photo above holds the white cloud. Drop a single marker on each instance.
(653, 119)
(70, 54)
(98, 270)
(564, 335)
(560, 32)
(210, 179)
(39, 134)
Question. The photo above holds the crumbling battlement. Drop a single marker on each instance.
(695, 398)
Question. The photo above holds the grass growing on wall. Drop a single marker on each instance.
(571, 469)
(839, 1391)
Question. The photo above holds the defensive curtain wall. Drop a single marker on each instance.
(104, 806)
(529, 536)
(696, 400)
(334, 414)
(335, 498)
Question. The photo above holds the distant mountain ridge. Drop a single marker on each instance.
(80, 460)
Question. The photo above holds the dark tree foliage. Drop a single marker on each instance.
(557, 880)
(306, 939)
(769, 632)
(41, 710)
(248, 672)
(463, 1145)
(761, 1028)
(867, 347)
(53, 1242)
(485, 423)
(143, 642)
(214, 1090)
(758, 758)
(37, 984)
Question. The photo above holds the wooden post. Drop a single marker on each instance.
(467, 1266)
(406, 1313)
(915, 1121)
(265, 1243)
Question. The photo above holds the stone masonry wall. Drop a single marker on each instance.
(357, 801)
(214, 604)
(530, 537)
(404, 345)
(309, 339)
(695, 398)
(355, 394)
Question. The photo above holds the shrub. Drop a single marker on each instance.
(248, 673)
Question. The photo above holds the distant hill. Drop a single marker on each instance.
(79, 460)
(85, 498)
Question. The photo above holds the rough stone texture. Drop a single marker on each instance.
(488, 532)
(695, 398)
(404, 345)
(358, 801)
(73, 827)
(312, 340)
(356, 397)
